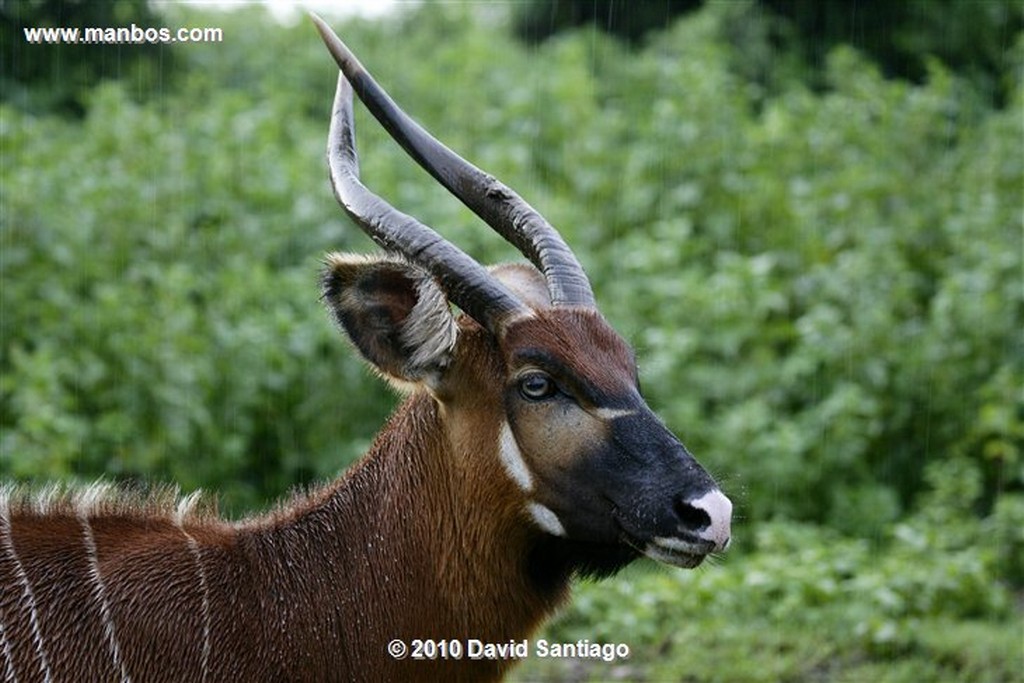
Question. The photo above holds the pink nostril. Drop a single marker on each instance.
(714, 510)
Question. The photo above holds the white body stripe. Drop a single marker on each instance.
(26, 591)
(512, 458)
(100, 589)
(184, 507)
(9, 673)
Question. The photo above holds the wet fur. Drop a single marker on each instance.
(313, 590)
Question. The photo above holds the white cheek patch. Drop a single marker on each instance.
(515, 466)
(546, 519)
(512, 458)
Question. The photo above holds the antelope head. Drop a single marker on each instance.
(597, 473)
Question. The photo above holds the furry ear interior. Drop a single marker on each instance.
(394, 312)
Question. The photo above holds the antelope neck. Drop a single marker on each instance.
(376, 535)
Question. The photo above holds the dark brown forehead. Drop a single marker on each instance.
(576, 343)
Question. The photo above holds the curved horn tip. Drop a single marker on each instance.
(321, 26)
(344, 57)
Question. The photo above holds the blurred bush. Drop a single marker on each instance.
(924, 602)
(967, 36)
(58, 77)
(160, 315)
(824, 287)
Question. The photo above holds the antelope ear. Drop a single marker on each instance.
(395, 314)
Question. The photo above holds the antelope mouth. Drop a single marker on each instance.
(678, 552)
(684, 551)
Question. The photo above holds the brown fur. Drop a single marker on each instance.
(578, 339)
(424, 538)
(432, 535)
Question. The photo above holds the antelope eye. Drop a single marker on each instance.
(537, 386)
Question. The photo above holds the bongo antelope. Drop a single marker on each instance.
(524, 456)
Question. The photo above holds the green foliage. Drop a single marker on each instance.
(160, 314)
(968, 36)
(537, 20)
(827, 294)
(58, 76)
(809, 604)
(824, 288)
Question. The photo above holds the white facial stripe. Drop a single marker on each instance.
(512, 458)
(546, 519)
(612, 413)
